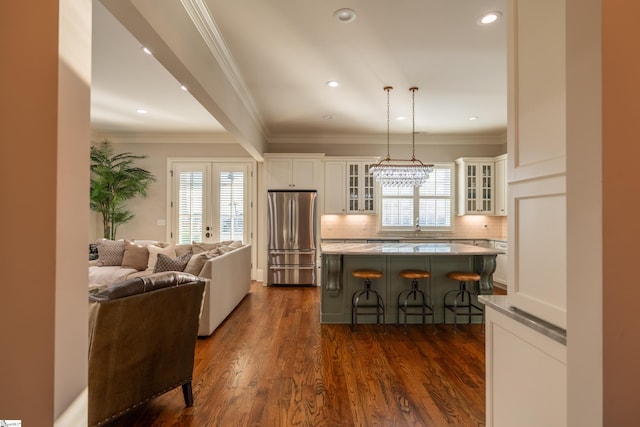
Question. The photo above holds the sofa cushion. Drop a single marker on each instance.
(108, 275)
(135, 256)
(143, 284)
(110, 252)
(166, 263)
(154, 250)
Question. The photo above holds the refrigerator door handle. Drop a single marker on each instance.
(292, 216)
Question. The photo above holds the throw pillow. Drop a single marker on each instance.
(166, 263)
(199, 247)
(195, 264)
(155, 250)
(228, 247)
(183, 249)
(135, 256)
(110, 252)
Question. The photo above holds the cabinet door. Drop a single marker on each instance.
(484, 193)
(304, 174)
(500, 275)
(476, 188)
(334, 187)
(501, 187)
(279, 173)
(360, 188)
(292, 174)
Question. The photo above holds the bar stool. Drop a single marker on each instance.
(404, 306)
(362, 309)
(458, 306)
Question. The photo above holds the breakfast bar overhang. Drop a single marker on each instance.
(340, 259)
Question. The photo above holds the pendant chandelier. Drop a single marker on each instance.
(401, 173)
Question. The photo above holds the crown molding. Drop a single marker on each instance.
(206, 26)
(164, 137)
(421, 139)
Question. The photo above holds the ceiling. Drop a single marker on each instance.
(256, 70)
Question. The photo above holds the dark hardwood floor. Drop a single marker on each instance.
(271, 363)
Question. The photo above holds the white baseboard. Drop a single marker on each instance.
(77, 414)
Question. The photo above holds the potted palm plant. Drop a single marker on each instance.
(114, 180)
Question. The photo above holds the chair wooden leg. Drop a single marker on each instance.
(187, 391)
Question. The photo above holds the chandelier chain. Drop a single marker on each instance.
(413, 125)
(401, 172)
(388, 89)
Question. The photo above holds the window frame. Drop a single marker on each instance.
(416, 198)
(213, 167)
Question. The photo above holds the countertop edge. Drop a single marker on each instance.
(500, 304)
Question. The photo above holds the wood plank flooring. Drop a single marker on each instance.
(271, 363)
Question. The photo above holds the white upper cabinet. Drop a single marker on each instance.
(348, 187)
(360, 188)
(500, 192)
(475, 185)
(335, 189)
(293, 172)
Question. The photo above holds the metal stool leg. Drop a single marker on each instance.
(355, 304)
(404, 306)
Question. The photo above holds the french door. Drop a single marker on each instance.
(210, 201)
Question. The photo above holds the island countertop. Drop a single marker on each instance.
(432, 249)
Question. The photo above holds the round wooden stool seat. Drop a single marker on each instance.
(367, 274)
(415, 274)
(464, 276)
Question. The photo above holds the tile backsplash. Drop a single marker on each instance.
(366, 226)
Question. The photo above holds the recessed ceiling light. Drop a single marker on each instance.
(141, 111)
(401, 118)
(345, 15)
(332, 83)
(489, 18)
(184, 88)
(473, 118)
(146, 50)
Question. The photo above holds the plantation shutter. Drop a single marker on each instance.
(190, 206)
(210, 202)
(436, 199)
(232, 200)
(430, 205)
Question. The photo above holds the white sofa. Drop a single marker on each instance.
(228, 277)
(228, 281)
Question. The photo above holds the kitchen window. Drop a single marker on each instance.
(427, 207)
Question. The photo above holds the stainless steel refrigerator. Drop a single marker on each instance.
(291, 237)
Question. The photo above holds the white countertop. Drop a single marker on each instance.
(501, 303)
(406, 249)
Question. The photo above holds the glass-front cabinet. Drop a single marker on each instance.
(475, 186)
(360, 188)
(348, 186)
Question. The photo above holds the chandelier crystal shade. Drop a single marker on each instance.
(401, 172)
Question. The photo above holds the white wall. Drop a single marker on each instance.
(44, 129)
(153, 208)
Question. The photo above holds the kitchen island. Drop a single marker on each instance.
(340, 259)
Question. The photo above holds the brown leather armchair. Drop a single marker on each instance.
(142, 337)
